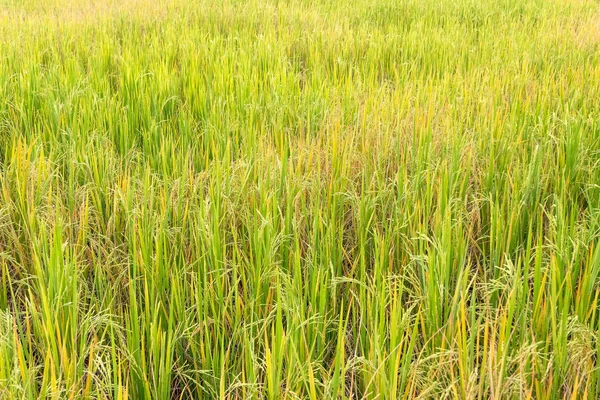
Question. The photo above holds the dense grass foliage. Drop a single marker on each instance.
(289, 199)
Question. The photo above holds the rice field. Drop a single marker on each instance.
(299, 199)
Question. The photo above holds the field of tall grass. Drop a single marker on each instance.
(299, 199)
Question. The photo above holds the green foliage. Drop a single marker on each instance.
(287, 199)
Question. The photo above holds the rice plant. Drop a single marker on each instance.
(299, 199)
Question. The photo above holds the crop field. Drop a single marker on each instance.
(299, 199)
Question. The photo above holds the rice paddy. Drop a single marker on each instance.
(299, 199)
